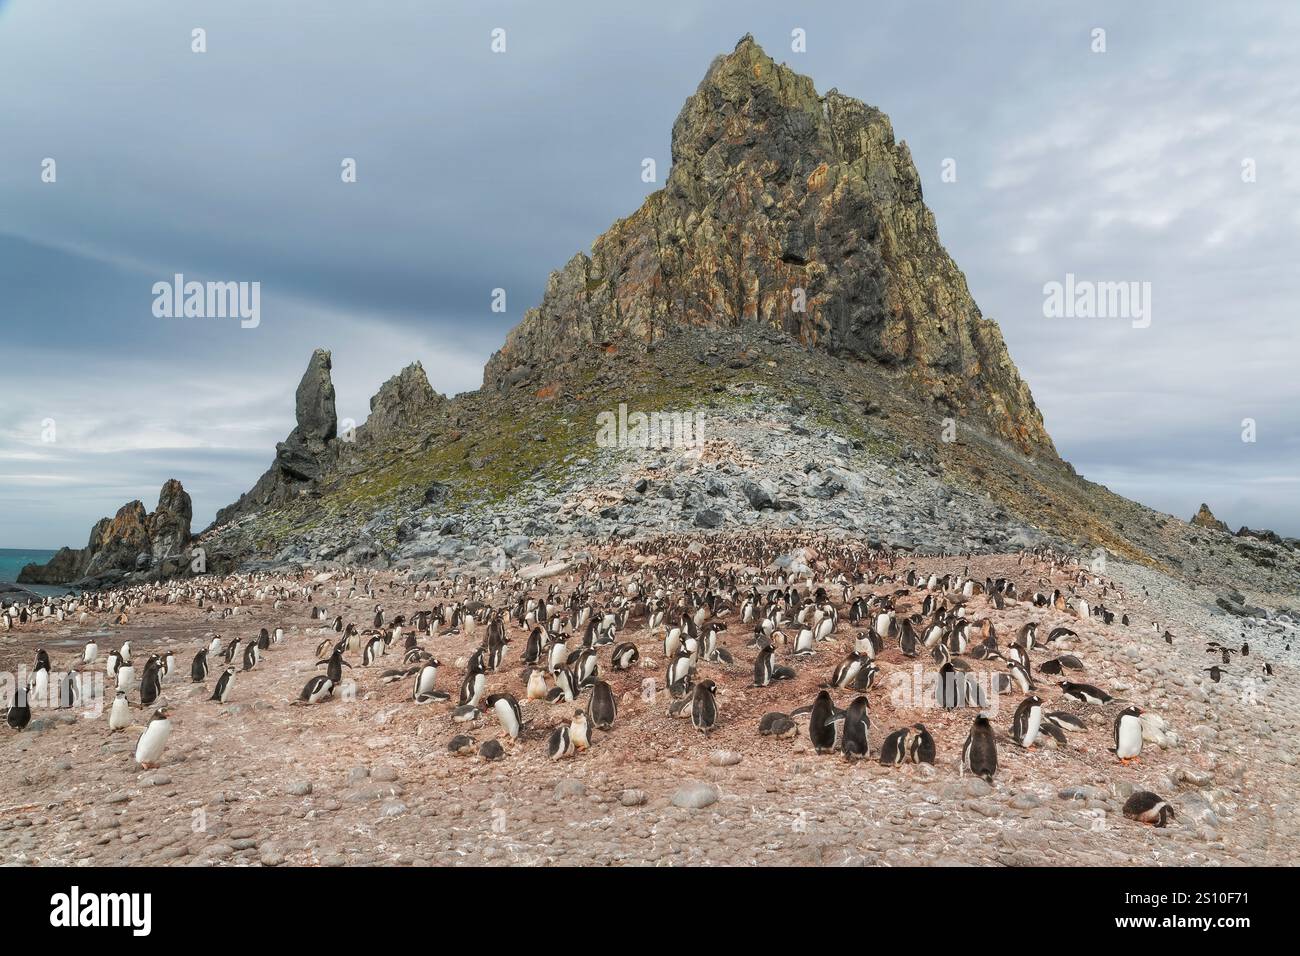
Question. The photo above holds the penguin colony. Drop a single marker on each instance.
(714, 623)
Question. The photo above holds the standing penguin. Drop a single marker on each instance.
(334, 664)
(980, 752)
(252, 654)
(1026, 721)
(199, 669)
(854, 742)
(90, 653)
(424, 684)
(603, 707)
(559, 745)
(119, 717)
(225, 684)
(507, 710)
(579, 733)
(151, 682)
(704, 706)
(1128, 734)
(821, 726)
(149, 748)
(19, 715)
(894, 749)
(921, 747)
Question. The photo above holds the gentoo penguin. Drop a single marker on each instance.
(252, 654)
(169, 664)
(894, 748)
(1145, 807)
(603, 707)
(69, 689)
(90, 653)
(149, 748)
(1215, 672)
(471, 688)
(1026, 721)
(119, 716)
(1128, 734)
(821, 726)
(624, 656)
(846, 670)
(704, 706)
(424, 691)
(19, 715)
(199, 669)
(560, 745)
(334, 664)
(38, 685)
(980, 752)
(231, 650)
(126, 678)
(150, 683)
(536, 685)
(112, 663)
(1059, 718)
(1021, 676)
(579, 735)
(315, 690)
(1085, 693)
(225, 684)
(921, 747)
(854, 741)
(507, 710)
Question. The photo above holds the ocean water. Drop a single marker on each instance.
(12, 561)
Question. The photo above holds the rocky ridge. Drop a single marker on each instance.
(133, 540)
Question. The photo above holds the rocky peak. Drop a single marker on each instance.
(793, 211)
(404, 402)
(1205, 519)
(309, 451)
(132, 540)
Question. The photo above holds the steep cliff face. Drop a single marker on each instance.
(132, 540)
(306, 455)
(798, 212)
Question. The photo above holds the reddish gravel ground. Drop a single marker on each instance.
(369, 780)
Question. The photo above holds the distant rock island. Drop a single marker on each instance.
(130, 541)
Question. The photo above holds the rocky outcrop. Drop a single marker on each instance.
(1205, 519)
(798, 212)
(403, 404)
(306, 455)
(132, 540)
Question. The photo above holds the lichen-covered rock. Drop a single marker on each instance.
(798, 212)
(1205, 519)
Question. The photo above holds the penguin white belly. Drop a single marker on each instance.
(1032, 725)
(1130, 737)
(120, 714)
(506, 714)
(152, 741)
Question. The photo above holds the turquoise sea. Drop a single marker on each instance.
(12, 561)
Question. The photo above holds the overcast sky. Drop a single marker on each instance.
(479, 170)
